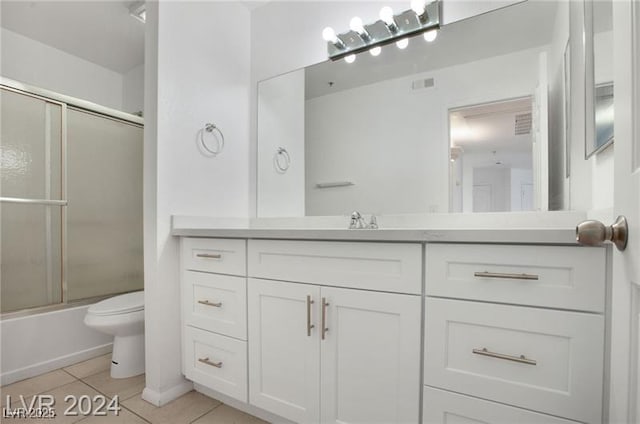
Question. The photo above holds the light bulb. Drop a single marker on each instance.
(403, 43)
(418, 6)
(350, 58)
(356, 25)
(329, 35)
(431, 35)
(375, 51)
(386, 15)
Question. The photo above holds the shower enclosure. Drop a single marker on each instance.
(70, 200)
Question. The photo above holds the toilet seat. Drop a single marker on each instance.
(122, 304)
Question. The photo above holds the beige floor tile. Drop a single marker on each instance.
(90, 367)
(180, 411)
(123, 387)
(123, 417)
(225, 414)
(75, 389)
(39, 384)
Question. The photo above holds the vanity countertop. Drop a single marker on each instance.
(526, 228)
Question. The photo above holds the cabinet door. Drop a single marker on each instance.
(284, 357)
(370, 357)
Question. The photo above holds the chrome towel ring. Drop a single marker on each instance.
(210, 128)
(282, 160)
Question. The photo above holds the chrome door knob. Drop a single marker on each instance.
(595, 233)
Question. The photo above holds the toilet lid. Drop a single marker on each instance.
(130, 302)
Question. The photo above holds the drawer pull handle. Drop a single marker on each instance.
(309, 325)
(214, 304)
(324, 318)
(486, 274)
(521, 359)
(208, 362)
(209, 255)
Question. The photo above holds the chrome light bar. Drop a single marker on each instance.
(390, 28)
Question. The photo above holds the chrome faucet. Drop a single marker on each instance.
(357, 222)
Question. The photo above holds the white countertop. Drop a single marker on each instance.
(523, 227)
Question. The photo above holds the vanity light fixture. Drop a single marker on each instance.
(357, 26)
(431, 35)
(386, 16)
(422, 18)
(418, 6)
(330, 36)
(138, 10)
(402, 43)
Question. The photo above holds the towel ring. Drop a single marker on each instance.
(280, 156)
(210, 128)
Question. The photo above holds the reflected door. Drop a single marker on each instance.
(482, 198)
(31, 201)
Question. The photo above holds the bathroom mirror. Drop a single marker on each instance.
(400, 132)
(599, 77)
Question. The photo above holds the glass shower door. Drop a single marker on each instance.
(104, 216)
(31, 201)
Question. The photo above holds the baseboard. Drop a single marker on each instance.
(53, 364)
(242, 406)
(162, 398)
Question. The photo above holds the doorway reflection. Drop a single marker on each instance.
(492, 157)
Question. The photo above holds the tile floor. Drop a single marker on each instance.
(92, 378)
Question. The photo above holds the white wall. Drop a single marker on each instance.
(36, 344)
(198, 71)
(133, 90)
(40, 65)
(281, 110)
(395, 160)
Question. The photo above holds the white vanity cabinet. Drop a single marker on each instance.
(334, 354)
(514, 324)
(214, 336)
(397, 332)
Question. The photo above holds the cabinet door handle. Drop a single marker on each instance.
(309, 325)
(486, 274)
(208, 362)
(324, 317)
(214, 304)
(209, 255)
(521, 359)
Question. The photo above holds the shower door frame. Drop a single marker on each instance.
(64, 102)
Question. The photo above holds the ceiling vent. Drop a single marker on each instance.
(523, 124)
(422, 83)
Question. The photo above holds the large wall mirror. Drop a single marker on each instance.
(471, 122)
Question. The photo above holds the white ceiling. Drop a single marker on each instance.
(101, 32)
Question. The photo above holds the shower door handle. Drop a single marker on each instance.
(34, 201)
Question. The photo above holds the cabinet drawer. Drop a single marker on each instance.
(215, 303)
(475, 348)
(224, 256)
(563, 277)
(217, 362)
(442, 407)
(392, 267)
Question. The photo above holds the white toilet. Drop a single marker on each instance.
(123, 317)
